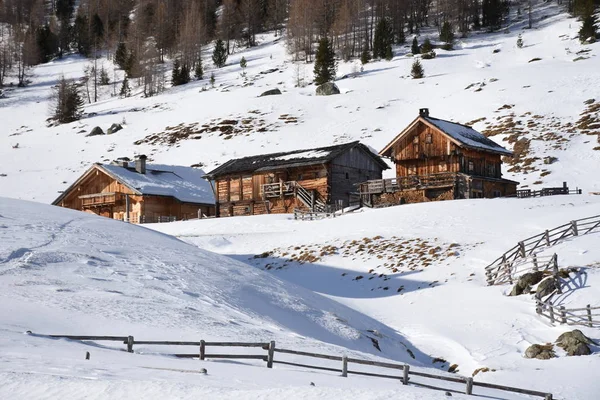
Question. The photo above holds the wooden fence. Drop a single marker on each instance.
(510, 271)
(584, 316)
(552, 191)
(546, 239)
(404, 370)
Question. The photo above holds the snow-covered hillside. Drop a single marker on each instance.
(534, 105)
(419, 269)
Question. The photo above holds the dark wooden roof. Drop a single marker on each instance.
(290, 159)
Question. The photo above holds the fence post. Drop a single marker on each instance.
(547, 236)
(87, 355)
(469, 390)
(589, 315)
(345, 366)
(538, 306)
(130, 344)
(551, 309)
(405, 371)
(535, 263)
(555, 273)
(522, 247)
(202, 349)
(574, 227)
(563, 315)
(271, 354)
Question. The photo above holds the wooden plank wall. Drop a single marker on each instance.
(347, 170)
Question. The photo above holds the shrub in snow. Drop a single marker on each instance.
(415, 46)
(427, 46)
(520, 41)
(428, 55)
(365, 56)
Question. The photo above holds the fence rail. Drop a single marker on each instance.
(548, 238)
(584, 316)
(271, 349)
(553, 191)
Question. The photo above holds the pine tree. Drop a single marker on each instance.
(184, 76)
(104, 79)
(219, 55)
(400, 38)
(176, 74)
(588, 29)
(447, 36)
(365, 56)
(68, 102)
(243, 63)
(199, 71)
(520, 41)
(325, 65)
(125, 90)
(383, 38)
(415, 46)
(417, 71)
(426, 47)
(121, 56)
(389, 54)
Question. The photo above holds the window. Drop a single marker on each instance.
(347, 176)
(471, 166)
(429, 138)
(497, 193)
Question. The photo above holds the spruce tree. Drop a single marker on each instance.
(447, 36)
(219, 55)
(365, 56)
(400, 38)
(243, 63)
(176, 74)
(417, 71)
(121, 56)
(415, 46)
(520, 41)
(68, 102)
(588, 28)
(426, 47)
(389, 54)
(125, 89)
(325, 65)
(184, 77)
(104, 79)
(199, 71)
(383, 38)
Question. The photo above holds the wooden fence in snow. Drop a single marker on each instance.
(583, 316)
(405, 371)
(526, 247)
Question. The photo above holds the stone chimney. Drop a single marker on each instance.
(424, 112)
(140, 164)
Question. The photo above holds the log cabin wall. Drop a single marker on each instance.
(426, 150)
(348, 169)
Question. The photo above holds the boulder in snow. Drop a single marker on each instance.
(327, 89)
(540, 351)
(525, 282)
(546, 287)
(575, 343)
(271, 92)
(96, 131)
(114, 128)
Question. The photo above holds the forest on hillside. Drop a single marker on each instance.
(140, 35)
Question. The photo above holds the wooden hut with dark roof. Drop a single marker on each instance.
(311, 180)
(440, 160)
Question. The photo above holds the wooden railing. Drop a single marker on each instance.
(310, 198)
(270, 348)
(584, 316)
(98, 199)
(552, 191)
(546, 239)
(278, 189)
(397, 184)
(510, 271)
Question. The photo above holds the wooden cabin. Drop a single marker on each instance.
(440, 160)
(311, 180)
(140, 193)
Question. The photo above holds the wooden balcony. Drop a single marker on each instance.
(279, 189)
(379, 186)
(100, 199)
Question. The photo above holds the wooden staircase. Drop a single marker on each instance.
(310, 199)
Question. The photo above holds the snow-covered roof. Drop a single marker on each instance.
(183, 183)
(290, 159)
(467, 136)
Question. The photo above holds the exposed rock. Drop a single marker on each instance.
(575, 343)
(327, 89)
(271, 92)
(114, 128)
(96, 131)
(550, 160)
(525, 282)
(546, 287)
(540, 351)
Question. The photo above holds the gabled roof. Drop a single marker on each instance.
(183, 183)
(290, 159)
(461, 135)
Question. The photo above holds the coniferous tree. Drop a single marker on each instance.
(199, 70)
(68, 103)
(176, 73)
(447, 35)
(426, 47)
(219, 55)
(382, 41)
(588, 28)
(415, 46)
(389, 54)
(243, 65)
(212, 79)
(184, 77)
(325, 64)
(104, 79)
(520, 41)
(365, 56)
(417, 71)
(121, 55)
(125, 89)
